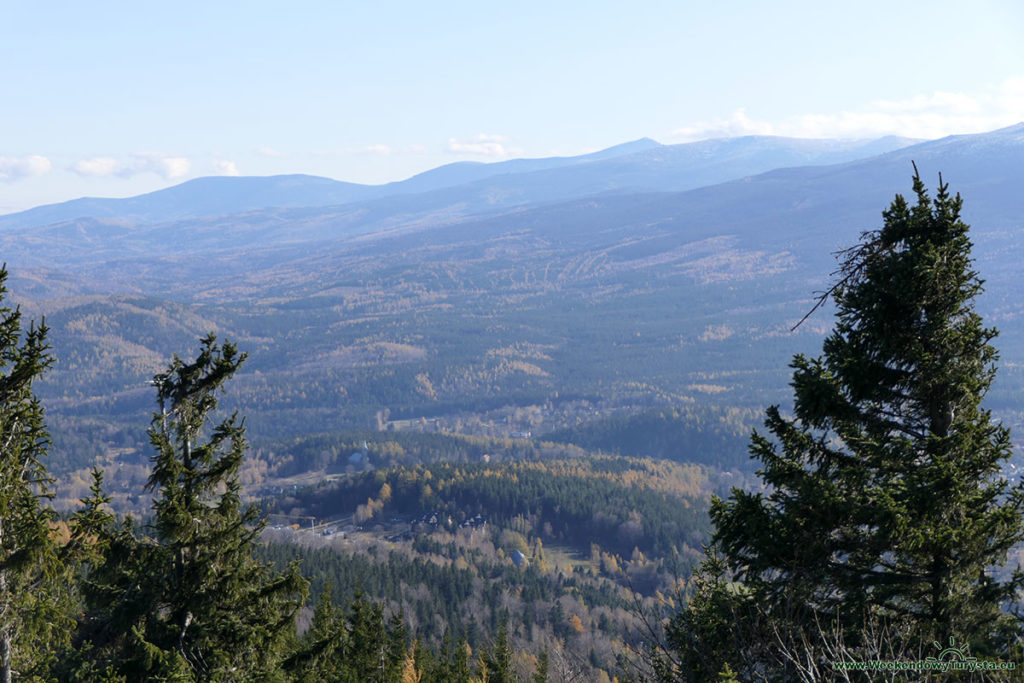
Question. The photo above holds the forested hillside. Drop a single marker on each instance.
(511, 564)
(490, 318)
(567, 555)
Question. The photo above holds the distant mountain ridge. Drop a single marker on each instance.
(557, 280)
(462, 172)
(640, 165)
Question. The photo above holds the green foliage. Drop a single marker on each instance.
(449, 662)
(355, 646)
(33, 620)
(498, 660)
(448, 602)
(192, 603)
(885, 499)
(323, 644)
(572, 597)
(699, 434)
(727, 675)
(716, 630)
(622, 503)
(543, 663)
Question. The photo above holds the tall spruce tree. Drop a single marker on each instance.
(32, 623)
(191, 603)
(884, 497)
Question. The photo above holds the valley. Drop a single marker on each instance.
(489, 396)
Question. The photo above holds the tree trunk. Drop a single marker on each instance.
(5, 657)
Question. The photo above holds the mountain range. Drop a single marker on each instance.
(491, 298)
(641, 165)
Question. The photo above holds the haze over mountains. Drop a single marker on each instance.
(634, 166)
(643, 275)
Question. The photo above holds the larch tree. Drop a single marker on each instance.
(884, 498)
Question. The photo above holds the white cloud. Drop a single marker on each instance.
(223, 167)
(923, 116)
(173, 167)
(734, 126)
(169, 168)
(17, 168)
(97, 167)
(483, 145)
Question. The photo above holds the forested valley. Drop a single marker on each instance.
(431, 556)
(474, 434)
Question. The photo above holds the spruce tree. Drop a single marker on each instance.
(320, 654)
(191, 603)
(32, 620)
(498, 661)
(884, 496)
(375, 650)
(354, 646)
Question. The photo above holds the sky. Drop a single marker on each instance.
(113, 99)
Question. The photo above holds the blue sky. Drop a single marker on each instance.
(119, 98)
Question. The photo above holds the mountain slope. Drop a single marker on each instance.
(198, 197)
(462, 172)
